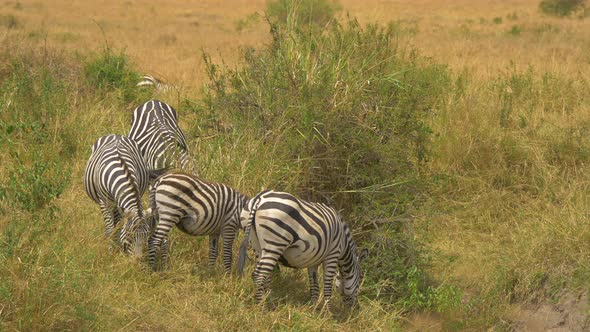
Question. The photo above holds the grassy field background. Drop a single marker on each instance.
(492, 233)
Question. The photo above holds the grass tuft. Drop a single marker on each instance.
(561, 8)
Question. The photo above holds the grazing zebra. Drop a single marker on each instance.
(299, 234)
(157, 84)
(155, 129)
(197, 208)
(116, 176)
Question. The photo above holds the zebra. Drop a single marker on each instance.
(154, 127)
(157, 84)
(197, 208)
(300, 234)
(115, 177)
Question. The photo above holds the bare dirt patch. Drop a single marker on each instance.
(569, 314)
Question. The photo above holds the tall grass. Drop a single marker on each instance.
(45, 135)
(470, 192)
(315, 14)
(561, 7)
(513, 151)
(57, 271)
(337, 116)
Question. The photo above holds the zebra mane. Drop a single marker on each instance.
(166, 131)
(348, 241)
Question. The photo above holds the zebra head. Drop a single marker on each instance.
(134, 234)
(351, 272)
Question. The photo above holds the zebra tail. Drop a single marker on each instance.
(155, 174)
(128, 228)
(244, 247)
(242, 253)
(134, 184)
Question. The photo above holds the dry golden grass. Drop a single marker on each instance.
(166, 37)
(481, 233)
(464, 35)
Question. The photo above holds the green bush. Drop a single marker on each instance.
(33, 137)
(516, 30)
(561, 7)
(39, 138)
(111, 72)
(395, 273)
(33, 98)
(32, 188)
(347, 106)
(340, 115)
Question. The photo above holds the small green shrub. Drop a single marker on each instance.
(345, 106)
(561, 7)
(516, 30)
(36, 101)
(302, 13)
(32, 188)
(111, 72)
(395, 273)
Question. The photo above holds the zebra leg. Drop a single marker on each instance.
(313, 283)
(266, 283)
(229, 235)
(164, 254)
(107, 214)
(116, 219)
(330, 267)
(116, 216)
(261, 275)
(213, 248)
(155, 247)
(158, 243)
(109, 221)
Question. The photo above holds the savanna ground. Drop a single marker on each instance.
(463, 169)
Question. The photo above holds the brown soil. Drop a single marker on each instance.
(569, 314)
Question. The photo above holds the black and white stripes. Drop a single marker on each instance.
(300, 234)
(116, 176)
(154, 127)
(197, 208)
(155, 83)
(281, 228)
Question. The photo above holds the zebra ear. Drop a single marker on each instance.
(363, 254)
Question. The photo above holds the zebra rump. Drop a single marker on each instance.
(154, 126)
(197, 208)
(115, 177)
(299, 234)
